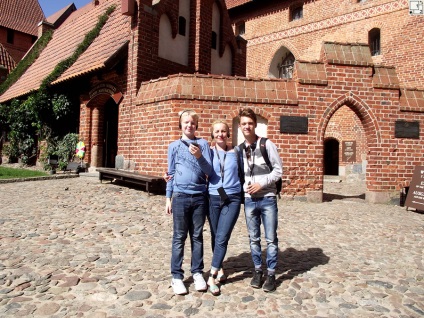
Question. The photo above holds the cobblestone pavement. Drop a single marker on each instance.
(80, 248)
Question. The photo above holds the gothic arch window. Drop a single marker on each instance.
(286, 66)
(374, 40)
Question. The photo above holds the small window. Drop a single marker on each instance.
(297, 13)
(214, 40)
(285, 68)
(374, 41)
(240, 28)
(10, 36)
(182, 26)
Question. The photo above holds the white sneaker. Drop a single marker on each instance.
(178, 286)
(199, 282)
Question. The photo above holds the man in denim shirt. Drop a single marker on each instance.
(260, 199)
(189, 162)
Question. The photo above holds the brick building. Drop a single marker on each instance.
(339, 88)
(18, 31)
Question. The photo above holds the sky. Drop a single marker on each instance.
(52, 6)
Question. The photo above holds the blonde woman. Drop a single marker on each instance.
(224, 199)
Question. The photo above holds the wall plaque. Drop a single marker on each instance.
(294, 124)
(407, 129)
(415, 197)
(349, 151)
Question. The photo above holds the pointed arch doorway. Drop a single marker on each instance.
(345, 155)
(100, 125)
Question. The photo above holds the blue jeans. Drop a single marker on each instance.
(189, 214)
(222, 219)
(262, 210)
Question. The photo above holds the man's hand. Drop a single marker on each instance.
(167, 177)
(253, 188)
(168, 206)
(195, 151)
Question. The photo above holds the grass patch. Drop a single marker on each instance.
(12, 173)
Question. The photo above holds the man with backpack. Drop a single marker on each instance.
(262, 170)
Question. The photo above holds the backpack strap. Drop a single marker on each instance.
(265, 153)
(239, 165)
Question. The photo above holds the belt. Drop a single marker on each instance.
(194, 195)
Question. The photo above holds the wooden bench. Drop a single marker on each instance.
(149, 181)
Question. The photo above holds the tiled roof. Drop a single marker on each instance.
(385, 77)
(235, 3)
(412, 100)
(113, 36)
(348, 54)
(6, 60)
(311, 73)
(58, 16)
(22, 16)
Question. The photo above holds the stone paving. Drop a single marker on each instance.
(81, 248)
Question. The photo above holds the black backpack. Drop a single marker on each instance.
(262, 147)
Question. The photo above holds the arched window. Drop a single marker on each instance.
(285, 68)
(374, 41)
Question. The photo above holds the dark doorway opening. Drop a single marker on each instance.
(110, 128)
(331, 157)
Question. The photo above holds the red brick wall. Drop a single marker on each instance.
(148, 119)
(153, 123)
(345, 125)
(21, 44)
(268, 28)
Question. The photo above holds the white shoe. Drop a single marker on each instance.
(199, 282)
(178, 286)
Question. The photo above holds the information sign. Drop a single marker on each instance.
(415, 197)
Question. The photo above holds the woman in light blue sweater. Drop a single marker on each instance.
(224, 199)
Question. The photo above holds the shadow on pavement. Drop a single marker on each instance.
(328, 197)
(291, 263)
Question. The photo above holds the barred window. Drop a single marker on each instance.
(285, 68)
(374, 41)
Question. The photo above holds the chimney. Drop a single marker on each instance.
(43, 27)
(127, 7)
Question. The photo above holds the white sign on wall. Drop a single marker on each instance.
(416, 7)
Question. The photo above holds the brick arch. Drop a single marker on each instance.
(173, 19)
(375, 24)
(91, 129)
(361, 109)
(164, 7)
(284, 43)
(276, 47)
(258, 111)
(334, 135)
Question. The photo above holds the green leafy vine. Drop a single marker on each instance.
(35, 118)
